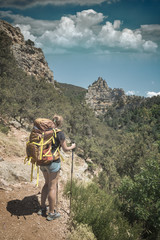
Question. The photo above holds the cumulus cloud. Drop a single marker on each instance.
(87, 19)
(131, 92)
(73, 31)
(150, 46)
(65, 34)
(111, 35)
(153, 94)
(28, 3)
(84, 30)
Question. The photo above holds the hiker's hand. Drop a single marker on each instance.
(73, 145)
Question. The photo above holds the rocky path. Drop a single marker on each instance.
(19, 199)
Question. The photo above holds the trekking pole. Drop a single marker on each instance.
(57, 195)
(71, 182)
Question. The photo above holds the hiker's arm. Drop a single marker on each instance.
(65, 147)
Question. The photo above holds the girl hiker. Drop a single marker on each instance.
(51, 173)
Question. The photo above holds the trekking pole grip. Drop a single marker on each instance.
(74, 147)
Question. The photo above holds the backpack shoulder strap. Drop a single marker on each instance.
(55, 131)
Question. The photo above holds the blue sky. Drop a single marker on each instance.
(118, 40)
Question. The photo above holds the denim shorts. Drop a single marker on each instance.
(52, 167)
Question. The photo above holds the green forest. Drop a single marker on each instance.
(123, 202)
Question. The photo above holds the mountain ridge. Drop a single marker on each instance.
(100, 96)
(28, 57)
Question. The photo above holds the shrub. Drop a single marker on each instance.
(4, 128)
(81, 232)
(92, 206)
(140, 199)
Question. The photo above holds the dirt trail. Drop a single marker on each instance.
(19, 220)
(19, 199)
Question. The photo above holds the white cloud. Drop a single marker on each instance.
(150, 46)
(110, 35)
(65, 34)
(85, 30)
(153, 94)
(25, 29)
(87, 19)
(27, 3)
(117, 24)
(130, 92)
(130, 39)
(73, 31)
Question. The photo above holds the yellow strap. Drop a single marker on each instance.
(35, 166)
(32, 172)
(57, 150)
(60, 155)
(25, 160)
(29, 160)
(41, 146)
(37, 175)
(44, 143)
(55, 134)
(46, 154)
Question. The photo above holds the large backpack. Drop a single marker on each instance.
(41, 144)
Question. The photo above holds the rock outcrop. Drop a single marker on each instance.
(100, 96)
(28, 57)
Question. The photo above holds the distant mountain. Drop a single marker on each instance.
(100, 97)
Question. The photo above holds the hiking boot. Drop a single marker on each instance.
(53, 216)
(42, 211)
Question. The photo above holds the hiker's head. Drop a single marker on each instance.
(58, 120)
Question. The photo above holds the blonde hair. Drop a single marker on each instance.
(58, 120)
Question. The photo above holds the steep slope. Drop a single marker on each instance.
(28, 57)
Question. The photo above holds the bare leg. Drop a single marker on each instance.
(53, 179)
(45, 189)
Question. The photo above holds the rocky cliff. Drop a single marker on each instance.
(99, 96)
(28, 57)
